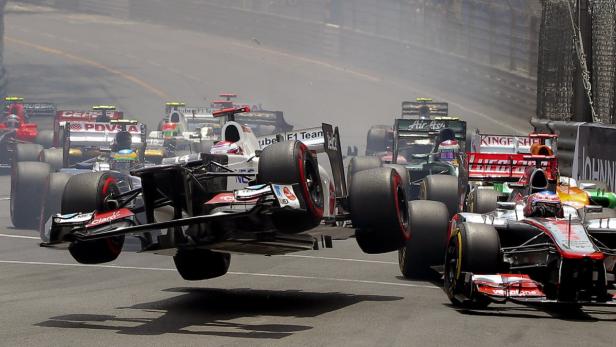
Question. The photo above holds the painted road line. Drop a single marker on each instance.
(254, 274)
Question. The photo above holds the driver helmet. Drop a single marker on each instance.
(543, 204)
(448, 150)
(170, 130)
(12, 122)
(123, 140)
(226, 147)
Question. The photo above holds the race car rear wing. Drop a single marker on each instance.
(412, 108)
(40, 109)
(92, 134)
(499, 167)
(261, 122)
(489, 143)
(426, 128)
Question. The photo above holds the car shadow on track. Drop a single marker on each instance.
(561, 312)
(216, 312)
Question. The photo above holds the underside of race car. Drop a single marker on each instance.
(197, 215)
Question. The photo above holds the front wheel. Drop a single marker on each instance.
(428, 224)
(379, 210)
(201, 264)
(90, 192)
(291, 163)
(472, 248)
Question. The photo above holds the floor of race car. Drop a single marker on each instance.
(333, 296)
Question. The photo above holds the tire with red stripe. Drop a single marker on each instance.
(90, 192)
(429, 221)
(291, 162)
(379, 210)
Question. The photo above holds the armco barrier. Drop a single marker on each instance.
(567, 136)
(365, 35)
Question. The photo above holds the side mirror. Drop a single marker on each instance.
(592, 209)
(506, 205)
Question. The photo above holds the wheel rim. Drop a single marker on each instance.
(452, 265)
(402, 207)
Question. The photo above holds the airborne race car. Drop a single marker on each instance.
(245, 201)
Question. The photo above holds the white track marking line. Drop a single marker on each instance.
(5, 199)
(21, 237)
(340, 259)
(284, 255)
(332, 279)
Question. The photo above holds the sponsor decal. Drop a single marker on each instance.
(499, 165)
(507, 142)
(426, 125)
(299, 135)
(594, 155)
(222, 198)
(108, 217)
(244, 180)
(286, 196)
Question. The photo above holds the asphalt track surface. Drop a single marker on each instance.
(335, 296)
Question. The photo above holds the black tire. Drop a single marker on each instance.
(88, 192)
(27, 152)
(443, 188)
(52, 196)
(377, 139)
(404, 175)
(28, 180)
(54, 157)
(379, 210)
(290, 162)
(429, 221)
(358, 164)
(599, 185)
(45, 138)
(483, 200)
(479, 247)
(201, 264)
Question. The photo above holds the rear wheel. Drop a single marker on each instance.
(27, 152)
(443, 188)
(472, 248)
(201, 264)
(89, 192)
(291, 163)
(428, 224)
(378, 138)
(54, 157)
(28, 180)
(45, 138)
(483, 201)
(52, 196)
(379, 210)
(358, 164)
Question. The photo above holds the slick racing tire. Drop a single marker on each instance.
(429, 221)
(472, 248)
(291, 163)
(54, 157)
(201, 264)
(358, 164)
(377, 139)
(28, 180)
(52, 196)
(404, 175)
(27, 152)
(379, 210)
(443, 188)
(89, 192)
(45, 138)
(483, 201)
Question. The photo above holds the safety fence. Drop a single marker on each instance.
(479, 49)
